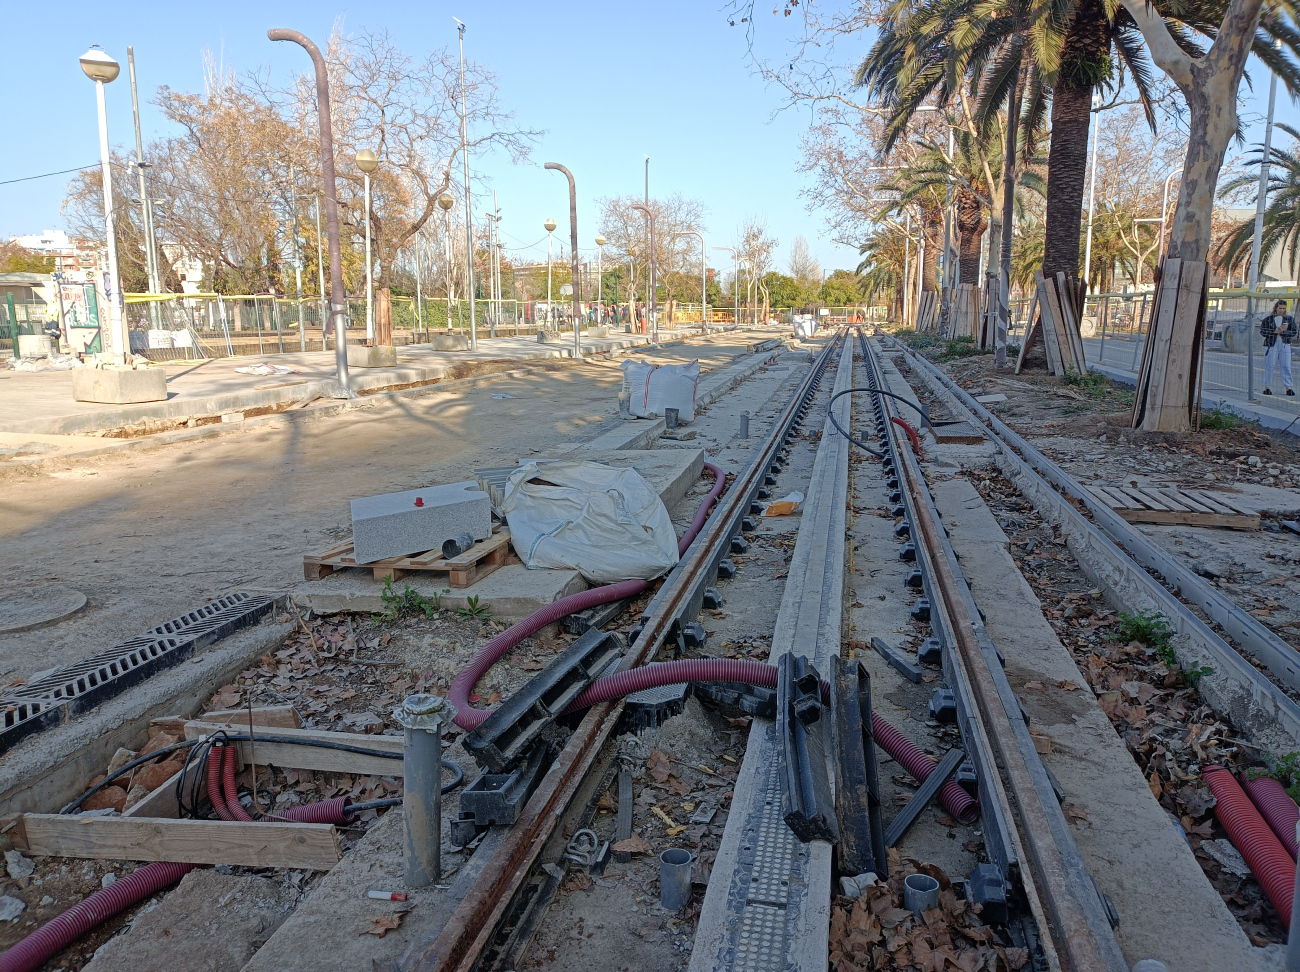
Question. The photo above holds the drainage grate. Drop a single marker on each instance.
(77, 688)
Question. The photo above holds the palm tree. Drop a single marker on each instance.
(1281, 214)
(884, 262)
(935, 49)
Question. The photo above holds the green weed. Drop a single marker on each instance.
(410, 601)
(473, 609)
(1091, 383)
(1150, 628)
(1221, 421)
(1196, 673)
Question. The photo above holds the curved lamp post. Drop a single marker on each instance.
(654, 279)
(102, 69)
(573, 247)
(368, 162)
(338, 299)
(550, 231)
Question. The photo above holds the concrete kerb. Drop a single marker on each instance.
(1269, 418)
(46, 771)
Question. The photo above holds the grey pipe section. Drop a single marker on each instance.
(338, 299)
(573, 257)
(421, 716)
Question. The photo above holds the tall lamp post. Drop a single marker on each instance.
(368, 162)
(550, 231)
(654, 278)
(338, 299)
(1092, 194)
(469, 210)
(102, 69)
(445, 202)
(146, 210)
(573, 256)
(600, 279)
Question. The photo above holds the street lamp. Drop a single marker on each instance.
(102, 69)
(550, 230)
(1092, 193)
(445, 202)
(704, 280)
(469, 206)
(600, 278)
(654, 280)
(368, 162)
(573, 256)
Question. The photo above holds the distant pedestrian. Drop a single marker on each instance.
(1278, 330)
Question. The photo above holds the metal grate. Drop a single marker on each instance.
(79, 687)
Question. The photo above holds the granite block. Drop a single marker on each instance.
(416, 520)
(362, 356)
(119, 386)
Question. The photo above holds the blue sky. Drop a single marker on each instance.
(609, 82)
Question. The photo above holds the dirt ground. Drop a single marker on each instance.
(150, 535)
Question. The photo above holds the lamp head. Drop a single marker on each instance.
(367, 161)
(445, 201)
(550, 225)
(600, 241)
(99, 66)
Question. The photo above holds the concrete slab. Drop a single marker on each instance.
(510, 592)
(119, 386)
(1129, 844)
(964, 510)
(24, 609)
(225, 919)
(361, 356)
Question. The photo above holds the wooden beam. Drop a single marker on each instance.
(286, 753)
(281, 716)
(298, 845)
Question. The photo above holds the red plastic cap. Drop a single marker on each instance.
(419, 501)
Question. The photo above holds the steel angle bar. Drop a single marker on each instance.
(912, 809)
(857, 787)
(473, 923)
(1061, 893)
(1119, 553)
(802, 727)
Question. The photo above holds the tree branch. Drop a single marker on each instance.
(1171, 58)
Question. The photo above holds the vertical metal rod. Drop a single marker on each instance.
(297, 257)
(1092, 195)
(370, 287)
(421, 718)
(151, 267)
(469, 213)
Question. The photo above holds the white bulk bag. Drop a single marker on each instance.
(609, 524)
(652, 388)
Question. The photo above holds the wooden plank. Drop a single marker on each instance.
(1186, 518)
(1210, 501)
(1180, 372)
(1032, 333)
(1160, 334)
(1178, 498)
(314, 757)
(957, 433)
(162, 802)
(1233, 505)
(297, 845)
(1049, 310)
(281, 716)
(1070, 304)
(1111, 497)
(1149, 501)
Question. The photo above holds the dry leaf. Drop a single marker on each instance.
(658, 767)
(381, 925)
(1067, 685)
(633, 845)
(606, 801)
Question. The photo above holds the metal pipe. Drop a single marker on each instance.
(1092, 195)
(573, 256)
(654, 279)
(146, 217)
(370, 287)
(469, 214)
(421, 716)
(338, 298)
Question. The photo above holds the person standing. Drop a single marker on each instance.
(1278, 330)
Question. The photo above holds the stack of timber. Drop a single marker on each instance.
(927, 311)
(1167, 384)
(964, 315)
(987, 336)
(1059, 300)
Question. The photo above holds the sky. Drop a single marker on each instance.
(607, 82)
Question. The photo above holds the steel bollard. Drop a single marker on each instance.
(744, 425)
(422, 717)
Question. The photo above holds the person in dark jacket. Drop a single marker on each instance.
(1278, 330)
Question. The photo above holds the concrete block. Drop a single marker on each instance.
(448, 342)
(416, 520)
(35, 345)
(549, 337)
(119, 386)
(360, 356)
(599, 331)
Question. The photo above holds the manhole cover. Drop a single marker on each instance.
(38, 606)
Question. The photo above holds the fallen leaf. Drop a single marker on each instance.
(1035, 685)
(1067, 685)
(633, 845)
(381, 925)
(658, 767)
(606, 801)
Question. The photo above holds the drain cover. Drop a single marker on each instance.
(36, 607)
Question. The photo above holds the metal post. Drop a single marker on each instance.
(338, 297)
(1092, 195)
(654, 282)
(550, 233)
(1261, 201)
(151, 266)
(600, 283)
(421, 716)
(320, 276)
(297, 258)
(573, 256)
(907, 265)
(419, 300)
(1104, 315)
(370, 287)
(469, 213)
(117, 318)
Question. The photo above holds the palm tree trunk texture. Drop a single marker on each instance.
(971, 225)
(932, 227)
(1067, 167)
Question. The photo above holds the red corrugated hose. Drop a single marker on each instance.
(1276, 806)
(1250, 834)
(463, 686)
(911, 433)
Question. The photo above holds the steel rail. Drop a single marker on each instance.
(1060, 892)
(1117, 556)
(474, 923)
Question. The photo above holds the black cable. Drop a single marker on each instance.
(856, 441)
(924, 410)
(460, 776)
(378, 804)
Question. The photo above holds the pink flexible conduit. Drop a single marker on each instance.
(56, 935)
(1268, 859)
(1276, 806)
(463, 686)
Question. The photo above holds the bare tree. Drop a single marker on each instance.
(628, 239)
(802, 265)
(755, 249)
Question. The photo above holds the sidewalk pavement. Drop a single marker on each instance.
(1279, 413)
(41, 402)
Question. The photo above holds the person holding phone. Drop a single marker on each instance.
(1278, 330)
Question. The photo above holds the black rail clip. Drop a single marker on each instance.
(801, 733)
(857, 791)
(528, 715)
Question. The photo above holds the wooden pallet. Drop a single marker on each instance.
(1170, 505)
(462, 571)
